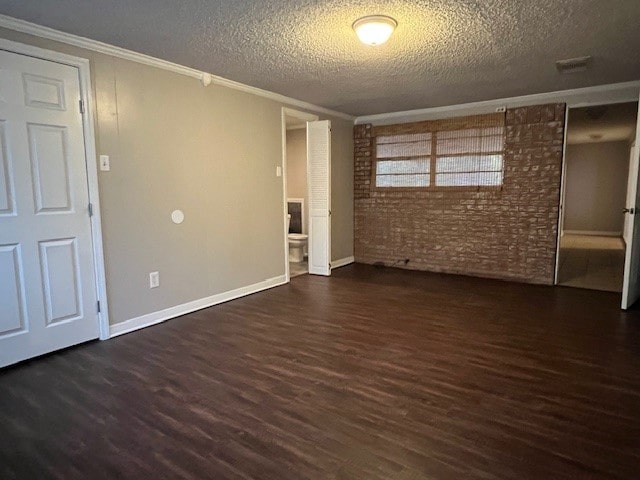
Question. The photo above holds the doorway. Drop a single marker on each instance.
(591, 251)
(296, 191)
(315, 215)
(297, 196)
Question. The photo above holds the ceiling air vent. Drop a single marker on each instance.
(573, 65)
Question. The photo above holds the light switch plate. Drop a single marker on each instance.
(105, 165)
(154, 280)
(278, 171)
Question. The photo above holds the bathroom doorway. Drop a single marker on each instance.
(296, 190)
(593, 223)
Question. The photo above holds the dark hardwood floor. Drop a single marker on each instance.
(369, 374)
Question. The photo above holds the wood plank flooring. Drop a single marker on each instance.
(369, 374)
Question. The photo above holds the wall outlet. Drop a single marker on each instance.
(154, 279)
(501, 109)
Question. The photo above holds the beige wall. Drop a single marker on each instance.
(211, 152)
(596, 186)
(297, 168)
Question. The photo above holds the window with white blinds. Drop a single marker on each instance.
(465, 152)
(403, 160)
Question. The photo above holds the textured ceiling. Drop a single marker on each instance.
(443, 52)
(607, 123)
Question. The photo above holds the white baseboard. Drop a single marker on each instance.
(596, 233)
(172, 312)
(342, 262)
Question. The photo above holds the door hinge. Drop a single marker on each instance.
(98, 306)
(81, 104)
(329, 212)
(90, 208)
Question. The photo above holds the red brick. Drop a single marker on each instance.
(508, 234)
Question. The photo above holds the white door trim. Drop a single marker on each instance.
(563, 186)
(84, 71)
(307, 117)
(625, 304)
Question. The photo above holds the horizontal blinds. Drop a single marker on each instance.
(457, 152)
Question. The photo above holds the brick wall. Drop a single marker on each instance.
(508, 233)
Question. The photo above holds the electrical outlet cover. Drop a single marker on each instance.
(105, 164)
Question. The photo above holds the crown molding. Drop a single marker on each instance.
(100, 47)
(578, 97)
(612, 93)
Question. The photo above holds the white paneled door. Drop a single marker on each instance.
(47, 290)
(319, 186)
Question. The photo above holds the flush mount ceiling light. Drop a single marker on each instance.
(375, 29)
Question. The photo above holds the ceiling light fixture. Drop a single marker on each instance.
(375, 29)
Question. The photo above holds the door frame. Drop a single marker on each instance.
(563, 187)
(628, 253)
(307, 117)
(88, 122)
(563, 169)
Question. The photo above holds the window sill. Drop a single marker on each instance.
(440, 189)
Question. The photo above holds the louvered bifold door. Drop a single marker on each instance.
(319, 185)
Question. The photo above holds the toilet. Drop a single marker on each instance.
(297, 240)
(297, 244)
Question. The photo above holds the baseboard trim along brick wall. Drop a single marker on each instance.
(508, 233)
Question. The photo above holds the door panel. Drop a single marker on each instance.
(60, 277)
(7, 200)
(46, 258)
(319, 260)
(49, 168)
(12, 307)
(319, 186)
(43, 92)
(631, 194)
(631, 282)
